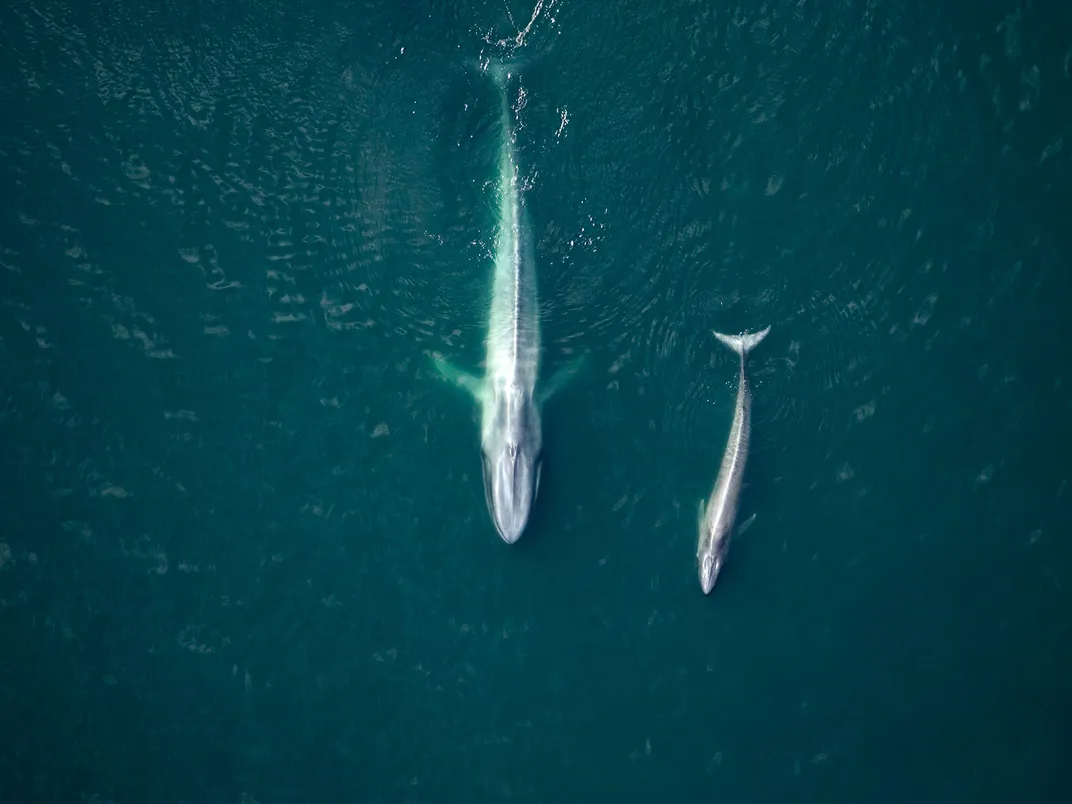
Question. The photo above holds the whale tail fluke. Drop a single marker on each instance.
(744, 343)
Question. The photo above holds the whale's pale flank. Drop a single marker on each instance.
(511, 429)
(718, 515)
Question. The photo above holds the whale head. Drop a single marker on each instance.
(709, 569)
(511, 480)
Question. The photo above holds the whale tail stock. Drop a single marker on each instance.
(500, 70)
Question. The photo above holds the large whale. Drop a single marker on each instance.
(511, 430)
(718, 516)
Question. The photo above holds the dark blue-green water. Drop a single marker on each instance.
(245, 555)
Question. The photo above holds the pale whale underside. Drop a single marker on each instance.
(511, 426)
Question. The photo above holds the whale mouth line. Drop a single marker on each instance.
(488, 497)
(511, 473)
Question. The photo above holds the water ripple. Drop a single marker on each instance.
(754, 177)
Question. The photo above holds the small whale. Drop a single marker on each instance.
(717, 517)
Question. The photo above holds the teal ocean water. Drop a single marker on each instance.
(245, 555)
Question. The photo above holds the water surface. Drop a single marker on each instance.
(245, 554)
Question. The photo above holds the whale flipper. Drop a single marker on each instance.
(562, 376)
(745, 525)
(459, 377)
